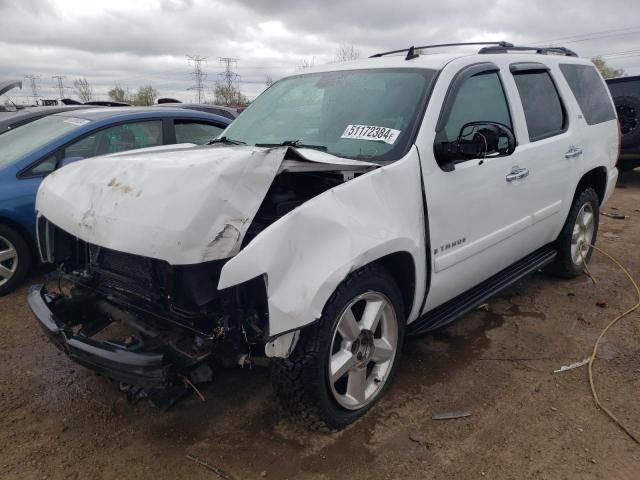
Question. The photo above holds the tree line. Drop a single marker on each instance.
(143, 97)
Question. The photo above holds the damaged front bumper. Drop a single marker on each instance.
(148, 370)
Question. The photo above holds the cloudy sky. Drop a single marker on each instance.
(144, 42)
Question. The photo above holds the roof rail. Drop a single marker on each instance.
(540, 50)
(411, 50)
(490, 47)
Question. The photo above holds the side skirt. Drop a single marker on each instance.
(463, 303)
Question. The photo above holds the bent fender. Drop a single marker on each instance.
(307, 253)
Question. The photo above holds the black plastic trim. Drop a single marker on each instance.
(528, 66)
(410, 50)
(539, 50)
(463, 303)
(145, 369)
(427, 235)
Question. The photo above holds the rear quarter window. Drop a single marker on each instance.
(543, 109)
(590, 92)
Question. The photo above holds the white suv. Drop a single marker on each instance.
(348, 206)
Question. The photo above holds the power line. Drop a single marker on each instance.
(615, 54)
(589, 37)
(60, 78)
(616, 30)
(33, 82)
(198, 75)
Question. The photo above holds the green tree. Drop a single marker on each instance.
(145, 96)
(120, 94)
(229, 95)
(606, 70)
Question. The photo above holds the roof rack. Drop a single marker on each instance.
(540, 50)
(411, 50)
(489, 47)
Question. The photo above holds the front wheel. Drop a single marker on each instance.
(15, 259)
(577, 235)
(344, 363)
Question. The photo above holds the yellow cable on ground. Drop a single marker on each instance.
(597, 344)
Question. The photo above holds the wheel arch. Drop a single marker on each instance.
(402, 268)
(23, 232)
(595, 178)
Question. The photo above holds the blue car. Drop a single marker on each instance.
(32, 151)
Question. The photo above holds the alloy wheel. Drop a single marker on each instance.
(582, 235)
(363, 349)
(8, 260)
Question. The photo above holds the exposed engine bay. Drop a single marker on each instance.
(161, 329)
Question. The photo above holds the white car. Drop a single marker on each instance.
(348, 206)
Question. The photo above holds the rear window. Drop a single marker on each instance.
(542, 106)
(590, 92)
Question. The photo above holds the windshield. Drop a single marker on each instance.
(15, 144)
(367, 114)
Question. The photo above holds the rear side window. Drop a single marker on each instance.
(543, 109)
(590, 92)
(119, 138)
(189, 131)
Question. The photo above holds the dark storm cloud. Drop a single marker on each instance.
(369, 23)
(145, 41)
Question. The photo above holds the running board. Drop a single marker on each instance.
(463, 303)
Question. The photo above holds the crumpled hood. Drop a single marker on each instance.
(184, 206)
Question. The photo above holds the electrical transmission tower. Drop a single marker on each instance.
(198, 75)
(229, 77)
(33, 82)
(60, 78)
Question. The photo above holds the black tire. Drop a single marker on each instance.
(624, 167)
(301, 381)
(628, 109)
(564, 265)
(23, 258)
(627, 162)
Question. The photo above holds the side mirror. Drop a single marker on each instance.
(67, 160)
(475, 140)
(486, 139)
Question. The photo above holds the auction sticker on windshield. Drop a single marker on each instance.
(371, 132)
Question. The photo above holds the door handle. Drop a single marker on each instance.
(517, 173)
(573, 152)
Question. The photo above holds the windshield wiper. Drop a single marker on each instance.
(293, 143)
(227, 141)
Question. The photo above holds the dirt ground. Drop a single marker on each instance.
(60, 421)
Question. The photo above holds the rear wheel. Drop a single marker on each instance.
(15, 259)
(344, 363)
(579, 232)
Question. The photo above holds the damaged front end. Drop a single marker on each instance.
(109, 318)
(144, 323)
(157, 326)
